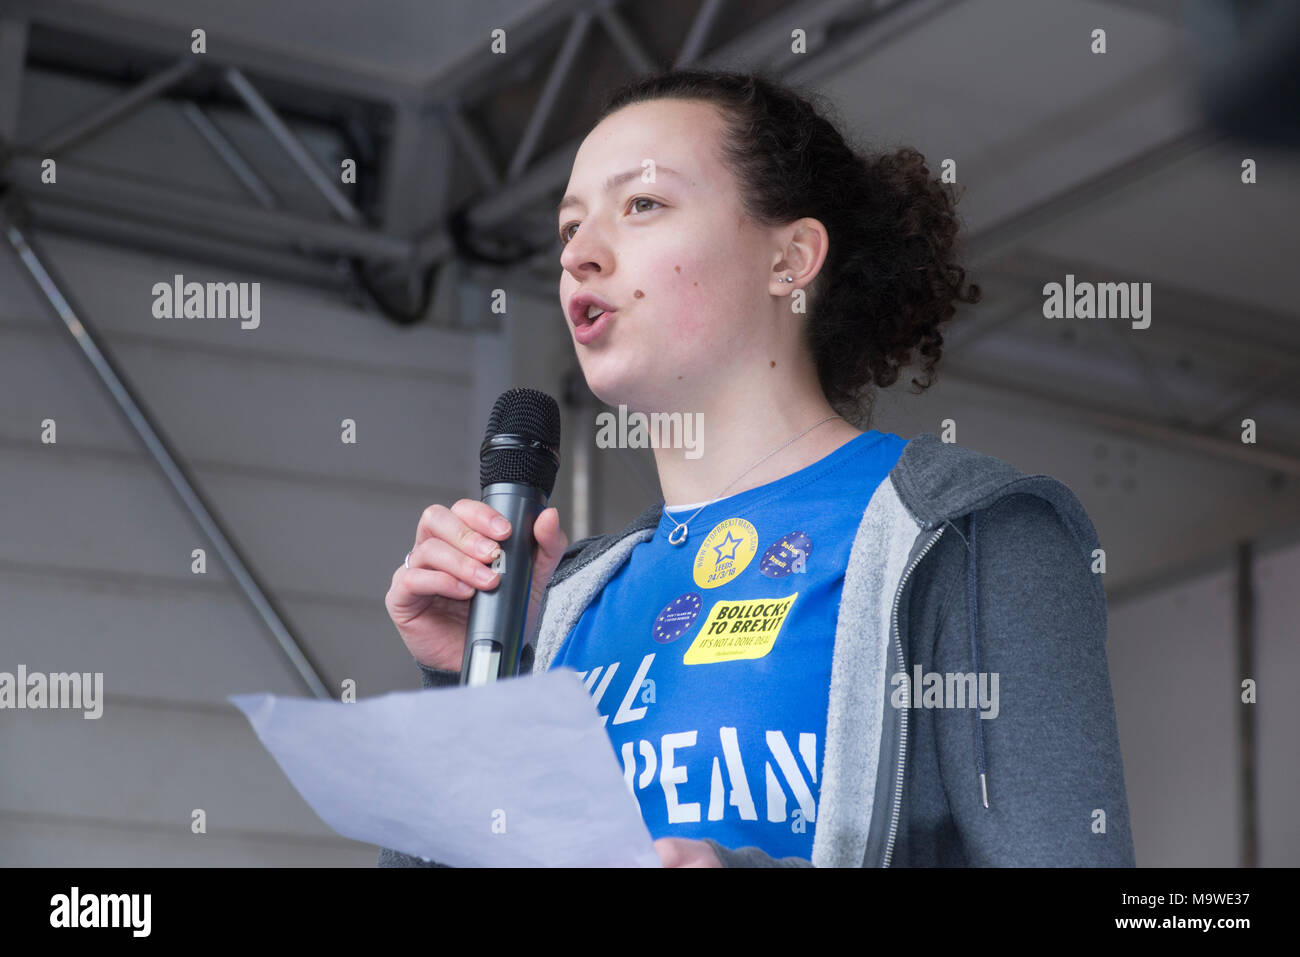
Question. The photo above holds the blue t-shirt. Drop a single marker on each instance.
(710, 661)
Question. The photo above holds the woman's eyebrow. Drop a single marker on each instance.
(618, 179)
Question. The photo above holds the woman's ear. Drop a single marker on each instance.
(804, 253)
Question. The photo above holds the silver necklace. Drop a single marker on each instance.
(681, 526)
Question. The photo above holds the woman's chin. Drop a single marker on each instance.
(609, 393)
(608, 384)
(613, 392)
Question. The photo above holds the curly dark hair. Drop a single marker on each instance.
(889, 279)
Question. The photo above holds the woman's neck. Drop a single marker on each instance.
(732, 443)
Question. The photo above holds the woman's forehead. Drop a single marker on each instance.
(678, 134)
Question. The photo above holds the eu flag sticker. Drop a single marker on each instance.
(787, 555)
(677, 617)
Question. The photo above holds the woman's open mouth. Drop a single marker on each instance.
(586, 332)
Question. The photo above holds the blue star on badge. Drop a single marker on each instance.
(733, 542)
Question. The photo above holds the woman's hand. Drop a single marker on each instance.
(429, 601)
(683, 852)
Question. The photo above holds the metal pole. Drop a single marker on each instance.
(550, 93)
(102, 116)
(698, 34)
(89, 187)
(1245, 625)
(230, 155)
(292, 145)
(171, 468)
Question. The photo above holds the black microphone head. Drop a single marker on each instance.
(522, 442)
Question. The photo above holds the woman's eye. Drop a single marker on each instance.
(566, 231)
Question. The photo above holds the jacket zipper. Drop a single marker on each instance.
(902, 712)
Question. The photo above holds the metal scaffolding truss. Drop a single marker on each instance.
(439, 183)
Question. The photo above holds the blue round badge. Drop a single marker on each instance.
(787, 555)
(677, 617)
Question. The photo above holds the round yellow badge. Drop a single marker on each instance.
(725, 552)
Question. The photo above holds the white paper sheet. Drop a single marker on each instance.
(517, 773)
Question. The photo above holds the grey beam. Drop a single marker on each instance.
(1167, 10)
(431, 247)
(143, 32)
(1126, 349)
(627, 44)
(975, 325)
(990, 241)
(542, 178)
(417, 172)
(1185, 439)
(1232, 410)
(770, 39)
(83, 185)
(698, 34)
(230, 155)
(175, 474)
(325, 184)
(235, 162)
(1256, 333)
(891, 20)
(417, 185)
(1247, 759)
(578, 28)
(476, 65)
(1187, 569)
(123, 105)
(75, 220)
(470, 143)
(13, 59)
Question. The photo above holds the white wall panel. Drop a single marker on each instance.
(146, 764)
(1172, 664)
(180, 642)
(28, 842)
(1277, 667)
(95, 550)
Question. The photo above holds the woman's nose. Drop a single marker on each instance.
(584, 253)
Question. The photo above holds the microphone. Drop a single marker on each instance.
(518, 460)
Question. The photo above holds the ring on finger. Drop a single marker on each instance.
(407, 561)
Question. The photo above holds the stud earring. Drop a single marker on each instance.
(786, 279)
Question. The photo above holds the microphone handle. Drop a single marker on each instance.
(494, 632)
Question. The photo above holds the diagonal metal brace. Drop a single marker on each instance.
(180, 481)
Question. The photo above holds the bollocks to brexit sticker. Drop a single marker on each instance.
(739, 629)
(725, 552)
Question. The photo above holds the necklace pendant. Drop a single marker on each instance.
(672, 537)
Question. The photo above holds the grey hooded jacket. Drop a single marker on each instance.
(962, 565)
